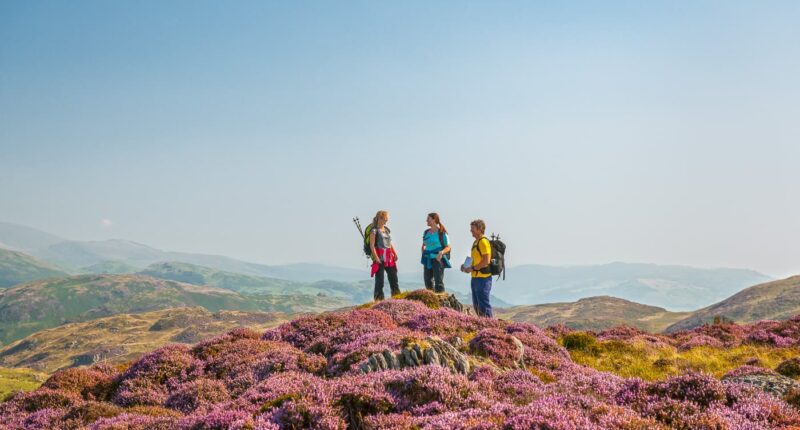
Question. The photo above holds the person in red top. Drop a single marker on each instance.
(384, 256)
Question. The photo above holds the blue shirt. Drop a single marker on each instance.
(431, 241)
(433, 246)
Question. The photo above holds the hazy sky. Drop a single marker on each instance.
(586, 132)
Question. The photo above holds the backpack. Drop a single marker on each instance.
(497, 260)
(367, 232)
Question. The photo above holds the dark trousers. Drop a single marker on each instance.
(434, 277)
(481, 289)
(391, 272)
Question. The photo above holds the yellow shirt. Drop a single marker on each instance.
(477, 257)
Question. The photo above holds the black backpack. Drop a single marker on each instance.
(497, 261)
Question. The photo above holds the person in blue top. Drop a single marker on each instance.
(435, 251)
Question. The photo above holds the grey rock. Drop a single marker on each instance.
(391, 360)
(382, 364)
(777, 385)
(521, 351)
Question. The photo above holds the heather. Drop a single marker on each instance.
(418, 363)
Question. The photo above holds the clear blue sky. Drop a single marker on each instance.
(585, 132)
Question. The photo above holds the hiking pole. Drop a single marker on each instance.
(357, 222)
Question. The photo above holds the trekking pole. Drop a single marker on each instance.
(357, 222)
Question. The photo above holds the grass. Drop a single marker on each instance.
(655, 363)
(12, 380)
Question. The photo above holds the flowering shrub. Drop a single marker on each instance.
(790, 367)
(690, 342)
(401, 311)
(308, 374)
(447, 322)
(502, 348)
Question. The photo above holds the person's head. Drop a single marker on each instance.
(477, 228)
(381, 218)
(434, 221)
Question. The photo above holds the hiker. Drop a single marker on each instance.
(481, 282)
(384, 256)
(435, 253)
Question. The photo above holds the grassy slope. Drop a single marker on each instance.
(594, 313)
(39, 305)
(641, 360)
(120, 338)
(16, 268)
(12, 380)
(774, 300)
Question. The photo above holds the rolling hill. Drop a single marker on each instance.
(776, 300)
(16, 268)
(38, 305)
(110, 267)
(26, 239)
(675, 288)
(124, 337)
(78, 254)
(199, 275)
(594, 313)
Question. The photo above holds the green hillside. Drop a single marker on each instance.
(199, 275)
(354, 292)
(27, 308)
(776, 300)
(110, 267)
(16, 268)
(594, 313)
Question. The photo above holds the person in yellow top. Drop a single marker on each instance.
(481, 283)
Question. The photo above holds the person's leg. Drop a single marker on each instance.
(474, 287)
(427, 276)
(437, 267)
(483, 295)
(391, 272)
(378, 295)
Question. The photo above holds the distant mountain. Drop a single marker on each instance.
(594, 313)
(27, 308)
(109, 268)
(16, 268)
(777, 300)
(672, 287)
(199, 275)
(122, 338)
(79, 254)
(26, 239)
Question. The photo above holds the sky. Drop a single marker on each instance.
(582, 132)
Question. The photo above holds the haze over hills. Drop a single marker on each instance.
(776, 300)
(676, 288)
(124, 337)
(595, 313)
(27, 308)
(22, 238)
(17, 267)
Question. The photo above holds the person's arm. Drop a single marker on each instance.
(395, 253)
(372, 246)
(444, 250)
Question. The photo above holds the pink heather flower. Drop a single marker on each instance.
(401, 311)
